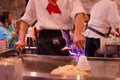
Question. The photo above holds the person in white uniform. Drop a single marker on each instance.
(65, 14)
(104, 20)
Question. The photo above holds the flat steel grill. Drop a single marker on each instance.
(102, 68)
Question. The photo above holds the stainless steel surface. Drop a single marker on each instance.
(39, 68)
(113, 48)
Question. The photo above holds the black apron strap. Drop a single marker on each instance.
(100, 33)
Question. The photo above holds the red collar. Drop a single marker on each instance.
(52, 7)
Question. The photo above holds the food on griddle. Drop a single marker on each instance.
(8, 60)
(69, 70)
(11, 69)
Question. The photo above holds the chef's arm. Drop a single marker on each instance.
(78, 38)
(23, 30)
(79, 23)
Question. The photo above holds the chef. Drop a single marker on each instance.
(53, 16)
(104, 20)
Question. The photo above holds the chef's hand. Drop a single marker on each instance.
(20, 45)
(115, 32)
(79, 40)
(118, 30)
